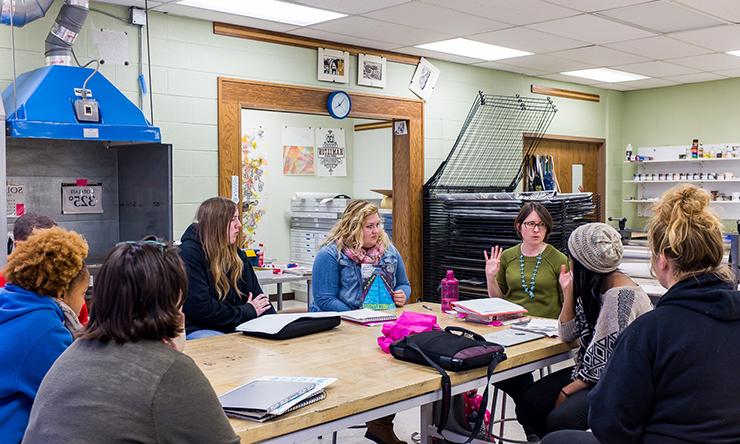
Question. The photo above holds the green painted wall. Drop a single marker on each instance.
(187, 58)
(709, 111)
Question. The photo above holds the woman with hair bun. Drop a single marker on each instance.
(673, 375)
(39, 306)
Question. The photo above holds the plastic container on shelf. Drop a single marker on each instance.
(450, 292)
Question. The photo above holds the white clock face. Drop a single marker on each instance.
(340, 104)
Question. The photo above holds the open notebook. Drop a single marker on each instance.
(367, 316)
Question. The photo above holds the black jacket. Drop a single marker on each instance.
(203, 309)
(674, 375)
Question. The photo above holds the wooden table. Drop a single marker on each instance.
(370, 385)
(266, 277)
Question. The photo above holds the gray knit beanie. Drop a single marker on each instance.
(597, 246)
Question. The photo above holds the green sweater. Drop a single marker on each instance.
(548, 297)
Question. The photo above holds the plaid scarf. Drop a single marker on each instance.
(362, 256)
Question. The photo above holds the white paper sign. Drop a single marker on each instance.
(331, 152)
(87, 199)
(16, 195)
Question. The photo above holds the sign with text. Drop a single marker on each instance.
(87, 199)
(331, 152)
(16, 195)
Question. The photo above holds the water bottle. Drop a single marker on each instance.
(449, 292)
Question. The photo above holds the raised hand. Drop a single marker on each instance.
(493, 262)
(566, 280)
(260, 303)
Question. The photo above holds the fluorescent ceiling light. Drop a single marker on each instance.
(736, 53)
(605, 75)
(272, 10)
(473, 49)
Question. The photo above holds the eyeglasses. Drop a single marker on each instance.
(161, 245)
(531, 225)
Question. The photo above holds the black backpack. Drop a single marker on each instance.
(446, 350)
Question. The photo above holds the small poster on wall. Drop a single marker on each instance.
(16, 196)
(331, 152)
(298, 151)
(424, 79)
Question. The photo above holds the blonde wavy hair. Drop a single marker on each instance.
(213, 219)
(688, 233)
(347, 232)
(49, 262)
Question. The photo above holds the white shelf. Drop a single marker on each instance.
(655, 200)
(706, 159)
(682, 181)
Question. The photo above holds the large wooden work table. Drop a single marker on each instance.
(370, 384)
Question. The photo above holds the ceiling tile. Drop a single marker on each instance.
(437, 55)
(214, 16)
(658, 48)
(599, 55)
(648, 83)
(136, 3)
(591, 29)
(363, 27)
(595, 5)
(615, 86)
(517, 69)
(341, 38)
(516, 12)
(548, 64)
(724, 9)
(350, 6)
(432, 17)
(570, 79)
(719, 38)
(525, 39)
(657, 69)
(662, 16)
(709, 62)
(729, 73)
(695, 78)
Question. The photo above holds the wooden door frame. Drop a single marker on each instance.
(600, 167)
(408, 150)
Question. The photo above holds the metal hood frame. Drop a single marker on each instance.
(43, 108)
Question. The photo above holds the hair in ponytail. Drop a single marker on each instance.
(688, 232)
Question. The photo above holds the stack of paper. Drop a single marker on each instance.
(487, 310)
(367, 316)
(547, 327)
(271, 396)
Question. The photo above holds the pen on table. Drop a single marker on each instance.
(427, 307)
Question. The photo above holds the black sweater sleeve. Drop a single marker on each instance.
(250, 284)
(623, 396)
(202, 307)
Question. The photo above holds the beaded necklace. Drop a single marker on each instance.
(530, 290)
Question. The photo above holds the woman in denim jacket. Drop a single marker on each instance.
(355, 247)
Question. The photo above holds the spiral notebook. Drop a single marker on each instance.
(367, 316)
(319, 396)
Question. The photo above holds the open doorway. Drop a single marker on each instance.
(579, 163)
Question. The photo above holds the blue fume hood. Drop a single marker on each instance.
(44, 108)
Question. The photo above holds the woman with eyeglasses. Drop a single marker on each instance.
(124, 380)
(527, 274)
(223, 290)
(47, 281)
(600, 302)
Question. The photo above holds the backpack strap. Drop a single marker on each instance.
(447, 393)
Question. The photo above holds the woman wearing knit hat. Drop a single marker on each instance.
(599, 303)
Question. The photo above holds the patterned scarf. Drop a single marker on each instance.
(362, 256)
(70, 318)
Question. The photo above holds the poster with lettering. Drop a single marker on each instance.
(16, 196)
(331, 152)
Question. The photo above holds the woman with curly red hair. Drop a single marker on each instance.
(47, 280)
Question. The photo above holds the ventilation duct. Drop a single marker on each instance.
(63, 33)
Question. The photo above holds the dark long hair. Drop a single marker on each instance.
(587, 287)
(138, 293)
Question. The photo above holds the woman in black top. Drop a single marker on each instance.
(223, 290)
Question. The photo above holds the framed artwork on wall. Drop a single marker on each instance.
(424, 79)
(333, 66)
(371, 70)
